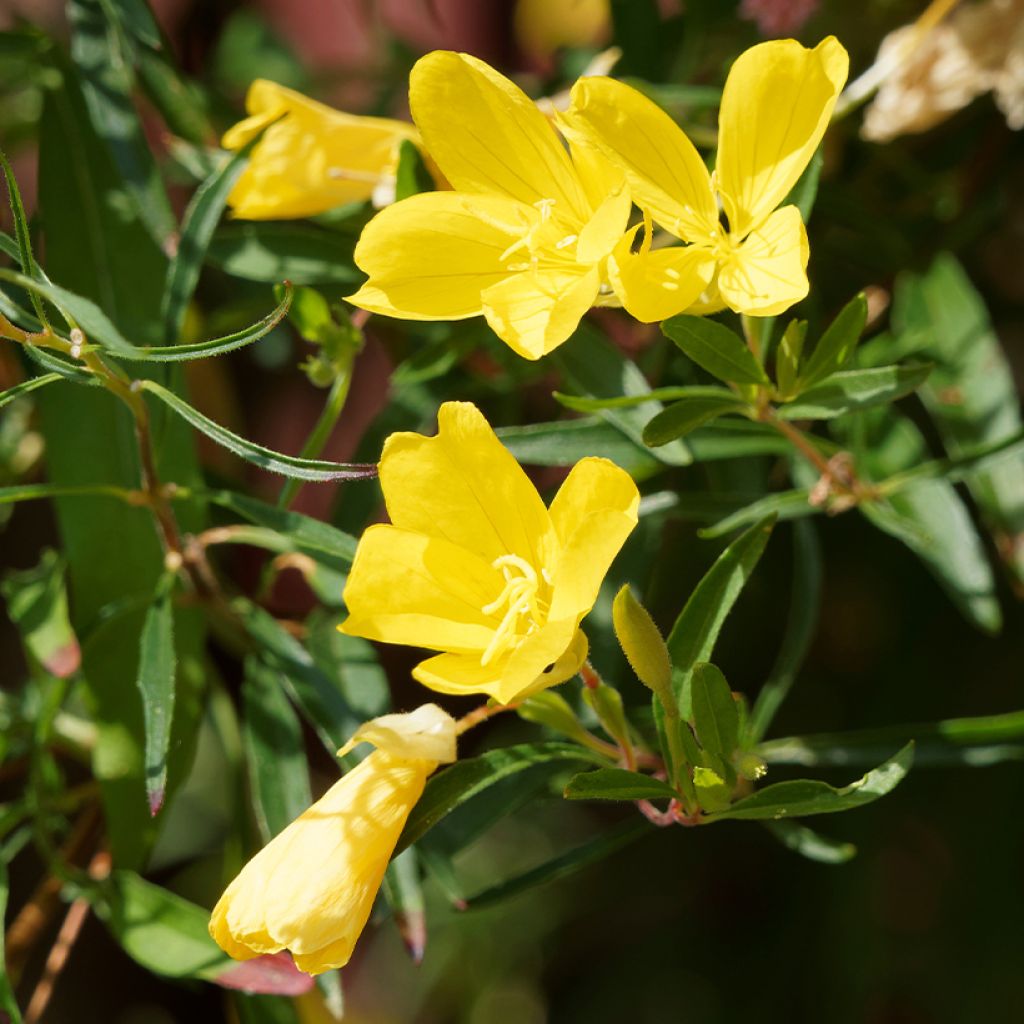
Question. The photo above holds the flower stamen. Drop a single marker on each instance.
(522, 602)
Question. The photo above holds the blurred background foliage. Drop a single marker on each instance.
(111, 120)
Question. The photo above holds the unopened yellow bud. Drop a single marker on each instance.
(642, 643)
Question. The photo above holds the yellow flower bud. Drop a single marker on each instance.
(642, 644)
(311, 888)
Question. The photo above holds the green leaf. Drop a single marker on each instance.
(783, 505)
(453, 786)
(157, 664)
(595, 367)
(700, 406)
(21, 231)
(804, 604)
(713, 347)
(8, 1004)
(693, 636)
(317, 695)
(403, 890)
(274, 751)
(852, 390)
(411, 175)
(836, 346)
(271, 253)
(563, 865)
(976, 742)
(802, 797)
(319, 540)
(81, 311)
(971, 394)
(805, 191)
(104, 62)
(197, 226)
(215, 346)
(37, 604)
(716, 715)
(617, 784)
(808, 843)
(787, 362)
(27, 386)
(265, 458)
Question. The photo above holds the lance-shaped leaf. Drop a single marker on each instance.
(852, 390)
(412, 175)
(810, 844)
(794, 504)
(157, 665)
(403, 890)
(274, 750)
(696, 629)
(27, 387)
(265, 458)
(24, 253)
(617, 784)
(271, 253)
(716, 716)
(713, 347)
(698, 406)
(802, 797)
(836, 346)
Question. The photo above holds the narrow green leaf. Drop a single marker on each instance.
(836, 346)
(804, 604)
(274, 750)
(157, 665)
(810, 844)
(594, 366)
(617, 784)
(453, 786)
(271, 253)
(411, 175)
(215, 346)
(22, 234)
(701, 406)
(852, 390)
(693, 636)
(563, 865)
(580, 403)
(787, 362)
(713, 347)
(403, 890)
(83, 312)
(265, 458)
(783, 505)
(803, 797)
(977, 741)
(197, 226)
(716, 716)
(8, 1004)
(27, 386)
(104, 62)
(803, 194)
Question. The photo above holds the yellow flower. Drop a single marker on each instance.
(473, 564)
(528, 235)
(311, 888)
(776, 106)
(312, 158)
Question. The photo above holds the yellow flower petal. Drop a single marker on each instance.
(776, 106)
(410, 588)
(768, 272)
(593, 513)
(430, 256)
(464, 486)
(311, 889)
(488, 136)
(311, 160)
(665, 173)
(605, 228)
(598, 175)
(547, 658)
(426, 734)
(657, 284)
(534, 311)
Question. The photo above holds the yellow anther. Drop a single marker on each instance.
(522, 604)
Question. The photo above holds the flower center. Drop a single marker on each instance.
(523, 606)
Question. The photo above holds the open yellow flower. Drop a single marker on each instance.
(311, 158)
(529, 235)
(473, 565)
(776, 106)
(311, 888)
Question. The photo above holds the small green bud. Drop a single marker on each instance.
(554, 711)
(607, 704)
(750, 766)
(642, 644)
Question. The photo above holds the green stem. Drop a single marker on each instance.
(314, 445)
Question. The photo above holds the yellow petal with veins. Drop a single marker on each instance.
(536, 310)
(768, 273)
(666, 174)
(487, 136)
(776, 106)
(430, 256)
(605, 228)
